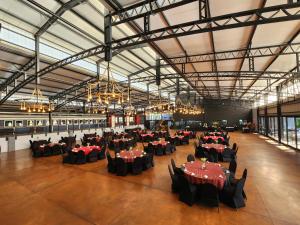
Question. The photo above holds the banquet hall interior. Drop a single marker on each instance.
(142, 112)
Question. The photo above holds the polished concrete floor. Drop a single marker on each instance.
(44, 191)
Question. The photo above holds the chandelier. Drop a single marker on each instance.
(37, 103)
(111, 93)
(129, 110)
(159, 105)
(188, 108)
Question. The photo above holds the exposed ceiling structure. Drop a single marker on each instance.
(217, 49)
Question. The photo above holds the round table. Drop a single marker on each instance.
(214, 138)
(86, 149)
(163, 143)
(219, 147)
(145, 135)
(212, 173)
(215, 133)
(41, 147)
(129, 156)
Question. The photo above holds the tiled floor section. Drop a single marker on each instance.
(44, 191)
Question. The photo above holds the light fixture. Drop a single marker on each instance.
(36, 103)
(110, 94)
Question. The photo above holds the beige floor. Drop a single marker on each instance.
(44, 191)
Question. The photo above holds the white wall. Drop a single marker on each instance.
(22, 141)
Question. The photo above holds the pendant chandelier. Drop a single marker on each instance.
(188, 108)
(37, 103)
(111, 93)
(129, 110)
(159, 106)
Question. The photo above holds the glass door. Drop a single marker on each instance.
(298, 131)
(291, 131)
(283, 130)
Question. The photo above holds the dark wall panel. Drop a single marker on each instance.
(216, 110)
(232, 111)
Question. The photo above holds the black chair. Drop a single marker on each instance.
(232, 167)
(177, 141)
(168, 149)
(147, 161)
(47, 151)
(56, 149)
(172, 140)
(146, 148)
(175, 181)
(185, 140)
(121, 167)
(213, 155)
(209, 195)
(187, 193)
(111, 166)
(234, 146)
(190, 158)
(150, 148)
(174, 167)
(210, 141)
(227, 155)
(92, 156)
(199, 152)
(233, 195)
(159, 150)
(37, 153)
(220, 141)
(137, 165)
(81, 159)
(234, 181)
(122, 145)
(71, 157)
(101, 153)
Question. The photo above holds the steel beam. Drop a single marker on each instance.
(272, 14)
(142, 9)
(27, 66)
(273, 60)
(278, 13)
(65, 7)
(251, 52)
(224, 75)
(249, 43)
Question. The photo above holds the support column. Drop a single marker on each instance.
(258, 119)
(50, 122)
(278, 113)
(266, 115)
(107, 37)
(129, 91)
(147, 23)
(107, 117)
(157, 77)
(177, 87)
(37, 57)
(148, 93)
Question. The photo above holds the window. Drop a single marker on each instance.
(283, 130)
(19, 123)
(262, 125)
(291, 131)
(39, 123)
(8, 123)
(298, 131)
(273, 127)
(30, 123)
